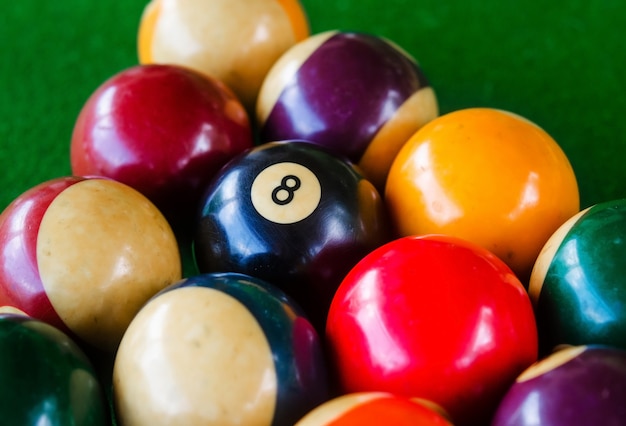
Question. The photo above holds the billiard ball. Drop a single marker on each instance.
(163, 130)
(434, 317)
(84, 254)
(219, 349)
(235, 41)
(356, 93)
(374, 408)
(46, 377)
(578, 285)
(485, 175)
(292, 214)
(11, 310)
(577, 385)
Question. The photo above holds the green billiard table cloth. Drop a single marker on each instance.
(561, 65)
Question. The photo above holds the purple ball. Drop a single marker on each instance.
(577, 385)
(359, 95)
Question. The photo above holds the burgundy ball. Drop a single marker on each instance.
(577, 385)
(163, 130)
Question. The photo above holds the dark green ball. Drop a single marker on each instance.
(45, 378)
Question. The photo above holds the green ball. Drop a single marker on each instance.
(45, 378)
(578, 284)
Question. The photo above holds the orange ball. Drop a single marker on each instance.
(485, 175)
(235, 41)
(375, 408)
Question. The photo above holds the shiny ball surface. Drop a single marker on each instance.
(235, 41)
(46, 377)
(578, 285)
(357, 94)
(578, 385)
(292, 214)
(374, 408)
(487, 176)
(219, 349)
(161, 129)
(84, 254)
(433, 317)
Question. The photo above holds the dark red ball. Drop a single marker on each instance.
(163, 130)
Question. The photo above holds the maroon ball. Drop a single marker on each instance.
(163, 130)
(579, 385)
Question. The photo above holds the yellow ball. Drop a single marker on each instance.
(488, 176)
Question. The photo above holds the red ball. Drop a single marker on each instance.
(161, 129)
(433, 317)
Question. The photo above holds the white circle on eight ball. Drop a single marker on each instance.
(286, 193)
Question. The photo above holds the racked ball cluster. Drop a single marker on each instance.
(358, 258)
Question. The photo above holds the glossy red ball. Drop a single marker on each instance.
(434, 317)
(161, 129)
